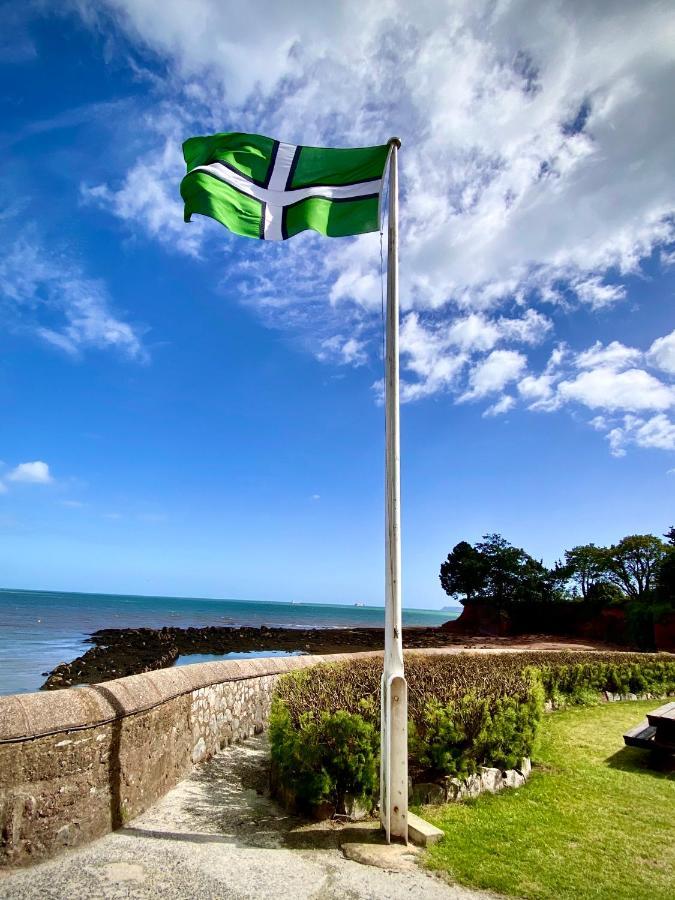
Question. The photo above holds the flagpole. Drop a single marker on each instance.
(394, 709)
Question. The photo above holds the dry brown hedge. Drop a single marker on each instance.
(343, 686)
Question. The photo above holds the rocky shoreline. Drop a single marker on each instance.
(118, 652)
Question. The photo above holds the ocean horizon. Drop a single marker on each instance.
(40, 629)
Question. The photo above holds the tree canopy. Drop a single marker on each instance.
(497, 570)
(586, 566)
(633, 563)
(638, 569)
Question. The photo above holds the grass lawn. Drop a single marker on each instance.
(593, 820)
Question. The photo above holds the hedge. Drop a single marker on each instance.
(465, 711)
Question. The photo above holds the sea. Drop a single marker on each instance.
(40, 629)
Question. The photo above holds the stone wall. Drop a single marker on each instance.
(77, 763)
(455, 790)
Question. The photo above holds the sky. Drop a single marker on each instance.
(187, 412)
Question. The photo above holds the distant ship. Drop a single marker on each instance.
(359, 604)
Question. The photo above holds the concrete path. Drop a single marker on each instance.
(218, 835)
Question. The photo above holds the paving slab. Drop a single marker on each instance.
(219, 835)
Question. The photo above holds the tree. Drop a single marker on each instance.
(670, 535)
(664, 588)
(602, 594)
(634, 562)
(557, 580)
(463, 572)
(587, 565)
(513, 576)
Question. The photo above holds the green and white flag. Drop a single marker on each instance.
(266, 189)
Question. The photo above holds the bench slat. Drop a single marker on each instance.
(641, 736)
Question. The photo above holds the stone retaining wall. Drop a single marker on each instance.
(455, 790)
(77, 763)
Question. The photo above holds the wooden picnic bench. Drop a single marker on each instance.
(657, 732)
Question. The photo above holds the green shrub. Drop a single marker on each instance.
(466, 711)
(457, 737)
(324, 756)
(621, 673)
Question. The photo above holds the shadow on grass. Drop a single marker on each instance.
(643, 762)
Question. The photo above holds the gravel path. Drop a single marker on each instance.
(218, 835)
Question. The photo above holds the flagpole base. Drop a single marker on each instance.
(394, 758)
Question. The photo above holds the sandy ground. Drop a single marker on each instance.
(219, 835)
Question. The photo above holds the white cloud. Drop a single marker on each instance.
(476, 331)
(3, 488)
(661, 354)
(346, 351)
(595, 293)
(149, 194)
(425, 354)
(614, 356)
(31, 473)
(605, 388)
(494, 372)
(39, 286)
(538, 392)
(532, 328)
(472, 332)
(436, 354)
(503, 405)
(605, 377)
(658, 432)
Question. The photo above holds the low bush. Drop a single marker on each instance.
(578, 680)
(466, 711)
(457, 737)
(324, 757)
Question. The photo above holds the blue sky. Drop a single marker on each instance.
(186, 412)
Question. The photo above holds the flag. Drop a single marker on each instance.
(266, 189)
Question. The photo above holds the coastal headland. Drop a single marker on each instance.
(118, 652)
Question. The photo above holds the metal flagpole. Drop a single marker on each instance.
(394, 710)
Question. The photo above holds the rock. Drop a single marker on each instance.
(428, 792)
(356, 809)
(513, 778)
(525, 767)
(491, 780)
(392, 857)
(472, 785)
(68, 834)
(199, 750)
(454, 790)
